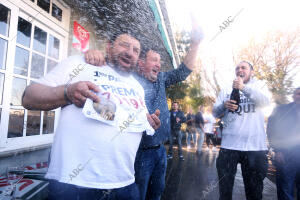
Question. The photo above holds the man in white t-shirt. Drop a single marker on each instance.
(94, 148)
(243, 136)
(209, 122)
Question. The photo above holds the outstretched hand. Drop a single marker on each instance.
(197, 33)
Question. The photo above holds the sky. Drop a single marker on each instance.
(252, 19)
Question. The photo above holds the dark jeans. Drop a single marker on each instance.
(254, 166)
(210, 137)
(150, 171)
(64, 191)
(286, 175)
(178, 135)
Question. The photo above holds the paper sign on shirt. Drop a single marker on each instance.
(80, 38)
(121, 104)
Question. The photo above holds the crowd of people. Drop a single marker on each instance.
(124, 157)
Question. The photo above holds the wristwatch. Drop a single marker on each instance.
(66, 95)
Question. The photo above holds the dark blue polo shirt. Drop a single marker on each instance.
(155, 97)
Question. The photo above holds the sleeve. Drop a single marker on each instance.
(273, 132)
(148, 128)
(183, 118)
(219, 108)
(63, 72)
(259, 93)
(177, 75)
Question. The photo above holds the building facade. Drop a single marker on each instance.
(37, 34)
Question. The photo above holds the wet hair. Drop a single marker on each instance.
(251, 66)
(175, 102)
(117, 32)
(146, 49)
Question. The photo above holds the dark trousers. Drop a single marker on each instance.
(150, 171)
(286, 175)
(64, 191)
(210, 138)
(178, 135)
(254, 166)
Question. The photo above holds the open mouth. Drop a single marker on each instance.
(125, 60)
(155, 71)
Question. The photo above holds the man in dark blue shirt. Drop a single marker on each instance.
(177, 118)
(151, 162)
(151, 159)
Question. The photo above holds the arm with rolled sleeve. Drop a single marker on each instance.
(177, 75)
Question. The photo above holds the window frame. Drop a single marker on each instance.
(55, 29)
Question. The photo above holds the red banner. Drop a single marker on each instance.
(80, 38)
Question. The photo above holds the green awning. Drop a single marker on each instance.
(155, 11)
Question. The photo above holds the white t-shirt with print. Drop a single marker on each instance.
(91, 153)
(244, 129)
(209, 125)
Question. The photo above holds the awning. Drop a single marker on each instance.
(158, 20)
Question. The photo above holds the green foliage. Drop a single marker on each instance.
(177, 91)
(183, 39)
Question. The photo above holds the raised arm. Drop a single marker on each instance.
(189, 62)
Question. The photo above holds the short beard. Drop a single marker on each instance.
(120, 69)
(151, 78)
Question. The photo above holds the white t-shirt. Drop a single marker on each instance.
(209, 125)
(91, 153)
(244, 129)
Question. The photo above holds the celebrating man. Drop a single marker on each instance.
(98, 142)
(243, 137)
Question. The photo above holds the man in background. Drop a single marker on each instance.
(177, 118)
(209, 122)
(283, 131)
(190, 128)
(199, 122)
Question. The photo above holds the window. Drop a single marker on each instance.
(1, 88)
(3, 47)
(30, 47)
(51, 8)
(44, 4)
(56, 12)
(4, 19)
(35, 49)
(24, 32)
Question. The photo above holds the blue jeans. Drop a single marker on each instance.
(189, 137)
(150, 171)
(286, 175)
(178, 135)
(64, 191)
(200, 139)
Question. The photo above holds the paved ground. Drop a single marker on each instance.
(195, 178)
